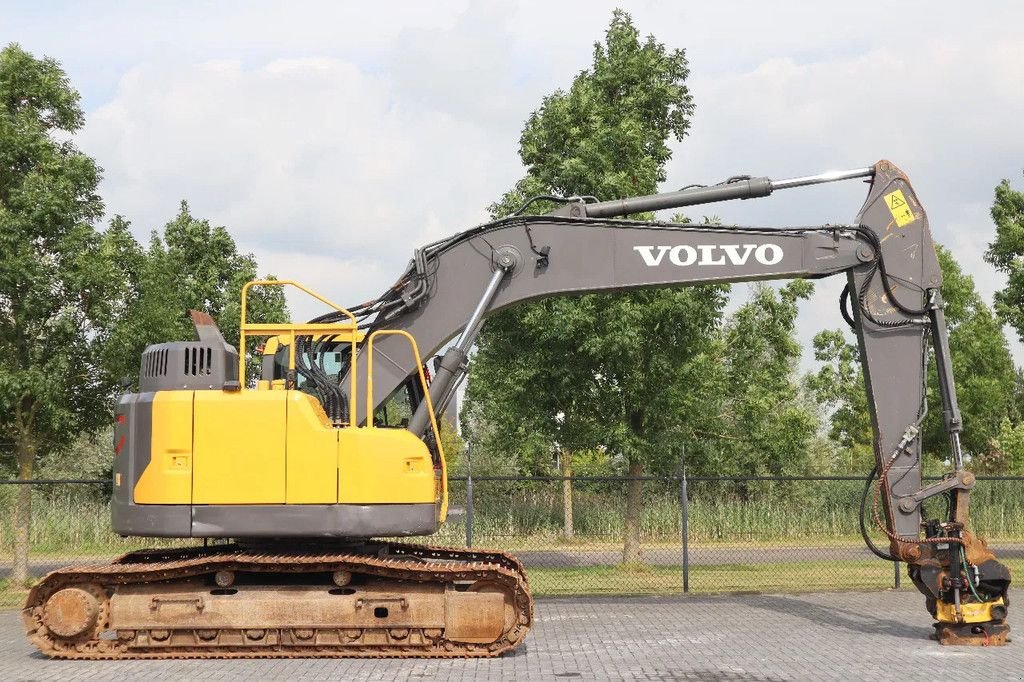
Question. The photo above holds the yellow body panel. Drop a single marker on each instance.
(383, 466)
(972, 612)
(167, 479)
(240, 444)
(312, 475)
(275, 445)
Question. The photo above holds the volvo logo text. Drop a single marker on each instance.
(710, 254)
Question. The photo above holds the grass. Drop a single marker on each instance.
(520, 517)
(804, 576)
(801, 576)
(11, 596)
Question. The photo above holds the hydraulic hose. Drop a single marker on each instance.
(863, 526)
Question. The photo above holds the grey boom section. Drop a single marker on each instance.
(892, 342)
(589, 255)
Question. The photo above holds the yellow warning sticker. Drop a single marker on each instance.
(899, 208)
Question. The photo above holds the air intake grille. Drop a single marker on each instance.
(187, 365)
(198, 361)
(154, 363)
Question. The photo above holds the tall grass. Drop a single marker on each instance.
(67, 523)
(771, 511)
(71, 522)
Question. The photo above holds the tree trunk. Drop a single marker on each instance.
(566, 458)
(22, 512)
(634, 490)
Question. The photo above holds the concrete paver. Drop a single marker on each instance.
(826, 636)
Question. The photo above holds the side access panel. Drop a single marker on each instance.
(167, 477)
(239, 444)
(312, 476)
(384, 466)
(133, 453)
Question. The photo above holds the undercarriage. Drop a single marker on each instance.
(374, 599)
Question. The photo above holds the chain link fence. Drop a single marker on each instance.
(702, 534)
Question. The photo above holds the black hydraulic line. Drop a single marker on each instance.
(327, 391)
(336, 397)
(863, 526)
(872, 238)
(844, 307)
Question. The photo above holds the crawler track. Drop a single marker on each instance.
(93, 616)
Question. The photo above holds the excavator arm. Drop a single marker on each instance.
(894, 302)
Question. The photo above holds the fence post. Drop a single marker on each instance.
(684, 504)
(896, 574)
(469, 496)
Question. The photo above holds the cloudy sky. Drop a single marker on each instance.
(332, 138)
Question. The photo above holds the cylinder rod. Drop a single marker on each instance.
(747, 188)
(830, 176)
(469, 332)
(454, 362)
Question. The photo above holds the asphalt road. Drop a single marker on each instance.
(841, 636)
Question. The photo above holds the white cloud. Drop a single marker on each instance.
(335, 139)
(941, 111)
(341, 280)
(309, 156)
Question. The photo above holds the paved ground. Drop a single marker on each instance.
(843, 636)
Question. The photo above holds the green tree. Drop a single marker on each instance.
(1008, 446)
(1006, 253)
(985, 376)
(58, 295)
(986, 381)
(607, 135)
(193, 265)
(611, 371)
(768, 422)
(838, 386)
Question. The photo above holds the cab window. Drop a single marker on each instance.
(396, 410)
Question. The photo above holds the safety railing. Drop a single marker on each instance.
(426, 396)
(347, 332)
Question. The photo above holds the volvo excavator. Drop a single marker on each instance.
(301, 477)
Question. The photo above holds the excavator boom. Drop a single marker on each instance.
(894, 280)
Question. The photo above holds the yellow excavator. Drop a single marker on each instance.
(305, 470)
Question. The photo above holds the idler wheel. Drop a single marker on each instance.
(71, 612)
